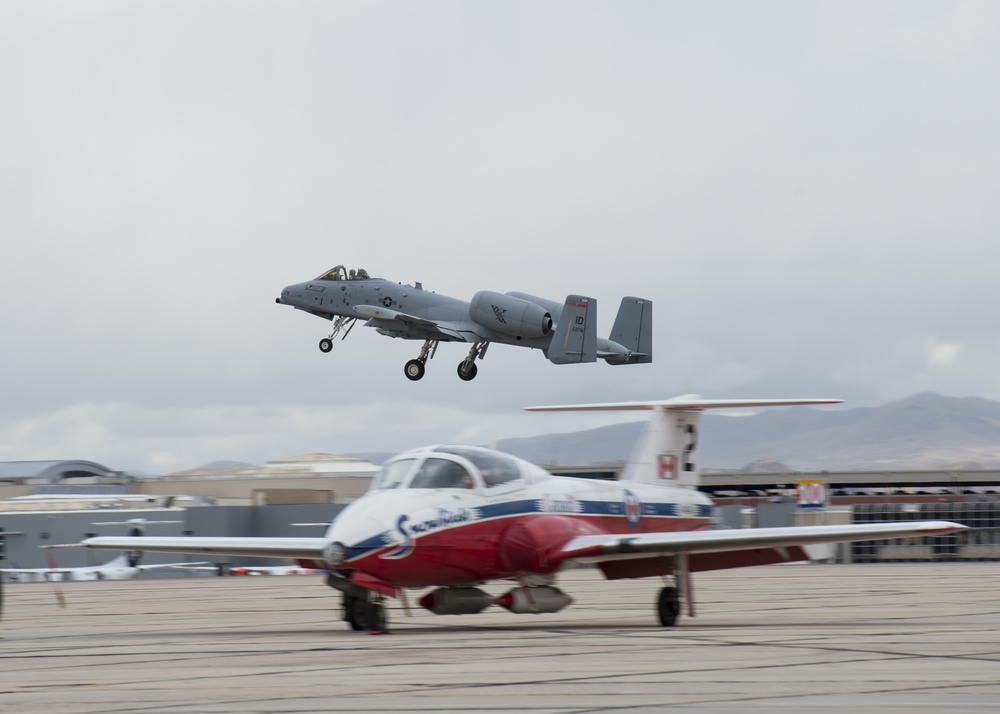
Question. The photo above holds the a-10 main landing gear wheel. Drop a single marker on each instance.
(668, 607)
(325, 345)
(414, 370)
(467, 370)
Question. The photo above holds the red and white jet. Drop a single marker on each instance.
(455, 517)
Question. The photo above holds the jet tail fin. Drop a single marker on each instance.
(633, 330)
(574, 339)
(667, 450)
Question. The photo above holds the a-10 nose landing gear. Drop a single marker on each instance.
(326, 344)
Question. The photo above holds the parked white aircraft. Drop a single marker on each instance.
(455, 517)
(125, 567)
(273, 570)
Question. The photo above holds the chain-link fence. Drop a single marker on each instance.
(982, 542)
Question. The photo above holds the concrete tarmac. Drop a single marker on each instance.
(788, 638)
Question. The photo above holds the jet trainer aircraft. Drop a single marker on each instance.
(566, 332)
(456, 517)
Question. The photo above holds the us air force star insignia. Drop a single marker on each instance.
(387, 301)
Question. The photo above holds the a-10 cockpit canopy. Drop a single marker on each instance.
(341, 272)
(449, 467)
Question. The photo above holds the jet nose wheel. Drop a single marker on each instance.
(325, 345)
(414, 370)
(467, 370)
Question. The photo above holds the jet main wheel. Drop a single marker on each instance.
(414, 370)
(325, 345)
(364, 614)
(376, 617)
(467, 370)
(668, 607)
(354, 612)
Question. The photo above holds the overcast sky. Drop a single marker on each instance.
(806, 191)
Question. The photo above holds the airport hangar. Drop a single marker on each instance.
(54, 502)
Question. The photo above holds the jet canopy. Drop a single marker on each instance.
(341, 272)
(465, 467)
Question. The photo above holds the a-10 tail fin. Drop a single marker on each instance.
(574, 339)
(633, 330)
(667, 451)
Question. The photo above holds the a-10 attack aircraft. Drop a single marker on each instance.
(566, 332)
(456, 517)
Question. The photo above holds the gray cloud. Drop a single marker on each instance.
(805, 191)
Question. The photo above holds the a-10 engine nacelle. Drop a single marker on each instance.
(510, 315)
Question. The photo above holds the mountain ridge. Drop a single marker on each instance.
(926, 430)
(922, 431)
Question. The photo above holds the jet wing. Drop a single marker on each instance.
(411, 321)
(602, 548)
(250, 547)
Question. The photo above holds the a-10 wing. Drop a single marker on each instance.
(442, 330)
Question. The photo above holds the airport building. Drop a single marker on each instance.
(311, 478)
(52, 502)
(55, 502)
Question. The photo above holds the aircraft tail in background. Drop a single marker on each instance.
(667, 450)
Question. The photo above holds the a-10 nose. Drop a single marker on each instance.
(287, 295)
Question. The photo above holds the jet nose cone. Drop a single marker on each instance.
(290, 295)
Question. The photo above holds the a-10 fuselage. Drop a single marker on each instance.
(471, 531)
(448, 319)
